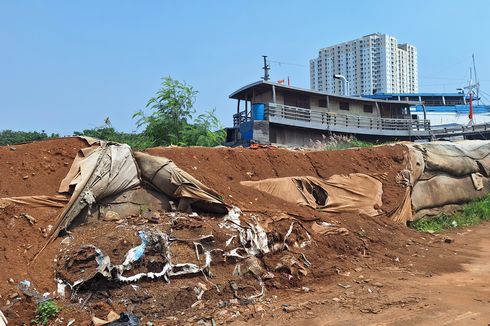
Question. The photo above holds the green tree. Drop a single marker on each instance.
(205, 131)
(171, 109)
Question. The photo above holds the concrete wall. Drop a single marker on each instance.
(261, 132)
(293, 136)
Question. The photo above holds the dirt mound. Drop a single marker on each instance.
(308, 247)
(36, 168)
(224, 168)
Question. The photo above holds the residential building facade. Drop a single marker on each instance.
(373, 63)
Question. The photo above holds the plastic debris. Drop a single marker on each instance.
(126, 319)
(3, 319)
(26, 287)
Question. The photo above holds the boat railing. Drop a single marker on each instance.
(343, 120)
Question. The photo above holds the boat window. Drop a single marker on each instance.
(368, 108)
(344, 106)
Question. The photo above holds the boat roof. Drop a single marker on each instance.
(262, 86)
(416, 94)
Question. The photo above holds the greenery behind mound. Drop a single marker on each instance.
(10, 137)
(472, 213)
(169, 118)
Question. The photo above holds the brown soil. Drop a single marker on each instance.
(36, 168)
(224, 168)
(376, 248)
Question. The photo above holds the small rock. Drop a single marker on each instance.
(291, 308)
(448, 240)
(378, 284)
(358, 269)
(345, 286)
(11, 280)
(13, 148)
(111, 216)
(25, 177)
(336, 299)
(13, 295)
(306, 289)
(258, 308)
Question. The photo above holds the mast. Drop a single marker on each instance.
(477, 83)
(266, 68)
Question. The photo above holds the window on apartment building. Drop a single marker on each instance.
(344, 106)
(368, 108)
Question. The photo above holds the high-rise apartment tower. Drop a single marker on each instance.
(374, 63)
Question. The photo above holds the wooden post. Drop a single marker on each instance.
(246, 108)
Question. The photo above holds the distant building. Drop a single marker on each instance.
(372, 63)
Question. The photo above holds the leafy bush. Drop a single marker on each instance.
(201, 133)
(10, 137)
(472, 213)
(45, 311)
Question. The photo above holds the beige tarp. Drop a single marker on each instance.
(444, 190)
(357, 193)
(458, 158)
(98, 172)
(36, 201)
(446, 173)
(108, 175)
(165, 176)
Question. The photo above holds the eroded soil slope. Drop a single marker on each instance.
(370, 247)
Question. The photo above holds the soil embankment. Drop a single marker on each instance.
(358, 270)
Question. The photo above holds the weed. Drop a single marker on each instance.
(338, 142)
(143, 209)
(472, 213)
(361, 233)
(45, 311)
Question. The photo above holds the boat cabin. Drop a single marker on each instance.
(270, 112)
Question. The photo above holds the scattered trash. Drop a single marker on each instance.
(25, 287)
(125, 319)
(60, 289)
(3, 319)
(29, 218)
(345, 286)
(111, 316)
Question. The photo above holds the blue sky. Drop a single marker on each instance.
(67, 65)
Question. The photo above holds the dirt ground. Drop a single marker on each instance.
(399, 296)
(379, 272)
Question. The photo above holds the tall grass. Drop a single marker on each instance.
(338, 142)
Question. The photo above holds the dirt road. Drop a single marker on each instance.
(398, 297)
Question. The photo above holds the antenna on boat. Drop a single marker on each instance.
(477, 83)
(266, 68)
(473, 89)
